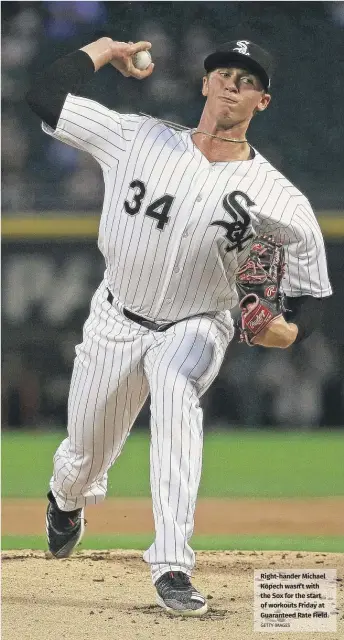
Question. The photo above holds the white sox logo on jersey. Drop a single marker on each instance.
(242, 47)
(236, 230)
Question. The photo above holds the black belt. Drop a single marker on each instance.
(148, 324)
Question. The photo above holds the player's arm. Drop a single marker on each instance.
(299, 320)
(79, 122)
(67, 74)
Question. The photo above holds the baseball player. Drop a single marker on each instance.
(181, 207)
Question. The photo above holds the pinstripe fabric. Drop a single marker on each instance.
(163, 236)
(153, 271)
(180, 367)
(116, 365)
(107, 391)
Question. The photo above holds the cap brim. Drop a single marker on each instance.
(222, 58)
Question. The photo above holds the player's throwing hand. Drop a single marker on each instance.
(119, 55)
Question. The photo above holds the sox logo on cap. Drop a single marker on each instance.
(242, 47)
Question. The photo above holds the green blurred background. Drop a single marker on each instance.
(236, 464)
(261, 465)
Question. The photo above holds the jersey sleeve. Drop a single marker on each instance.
(91, 127)
(306, 264)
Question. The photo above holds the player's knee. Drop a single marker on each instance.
(176, 381)
(192, 368)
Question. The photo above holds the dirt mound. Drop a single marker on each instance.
(307, 516)
(101, 595)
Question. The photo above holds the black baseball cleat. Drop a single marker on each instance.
(176, 594)
(64, 528)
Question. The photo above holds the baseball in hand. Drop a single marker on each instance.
(142, 60)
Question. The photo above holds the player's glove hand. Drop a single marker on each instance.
(259, 287)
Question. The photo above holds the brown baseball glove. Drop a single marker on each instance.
(259, 287)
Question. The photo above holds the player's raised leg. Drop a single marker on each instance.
(180, 368)
(108, 389)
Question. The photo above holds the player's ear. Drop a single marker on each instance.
(264, 102)
(205, 86)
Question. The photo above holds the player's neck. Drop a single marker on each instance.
(216, 149)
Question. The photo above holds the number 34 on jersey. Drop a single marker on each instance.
(159, 209)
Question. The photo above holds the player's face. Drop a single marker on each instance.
(233, 95)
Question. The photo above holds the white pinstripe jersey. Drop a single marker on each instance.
(174, 226)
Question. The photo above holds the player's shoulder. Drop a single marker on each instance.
(161, 124)
(83, 105)
(275, 175)
(149, 127)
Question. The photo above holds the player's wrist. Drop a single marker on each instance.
(100, 51)
(293, 332)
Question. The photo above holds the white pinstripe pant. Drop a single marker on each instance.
(116, 366)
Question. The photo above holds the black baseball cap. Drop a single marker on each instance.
(250, 56)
